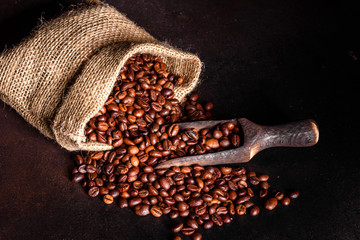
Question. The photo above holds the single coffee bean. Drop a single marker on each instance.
(164, 183)
(240, 209)
(192, 223)
(254, 211)
(263, 192)
(182, 206)
(187, 231)
(226, 218)
(285, 201)
(78, 177)
(212, 143)
(217, 219)
(94, 191)
(108, 199)
(156, 211)
(264, 185)
(294, 194)
(123, 203)
(271, 203)
(173, 130)
(135, 201)
(263, 177)
(196, 236)
(208, 224)
(178, 227)
(142, 210)
(279, 196)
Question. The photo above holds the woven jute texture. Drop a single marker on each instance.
(61, 75)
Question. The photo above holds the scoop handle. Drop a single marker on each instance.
(295, 134)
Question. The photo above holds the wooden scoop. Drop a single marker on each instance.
(256, 138)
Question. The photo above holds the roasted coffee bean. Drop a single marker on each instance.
(271, 203)
(195, 202)
(263, 192)
(254, 180)
(196, 236)
(90, 169)
(164, 183)
(187, 231)
(156, 211)
(78, 177)
(217, 219)
(173, 130)
(108, 199)
(279, 195)
(226, 218)
(264, 185)
(134, 201)
(285, 201)
(212, 143)
(208, 224)
(235, 140)
(178, 227)
(294, 194)
(142, 210)
(263, 177)
(240, 209)
(182, 206)
(123, 203)
(94, 191)
(192, 223)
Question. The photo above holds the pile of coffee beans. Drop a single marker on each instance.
(139, 121)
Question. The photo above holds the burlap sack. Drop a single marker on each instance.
(60, 76)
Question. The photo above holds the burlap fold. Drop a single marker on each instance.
(60, 76)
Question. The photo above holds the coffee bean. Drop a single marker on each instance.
(235, 140)
(264, 185)
(285, 201)
(156, 211)
(187, 231)
(142, 210)
(217, 219)
(164, 183)
(108, 199)
(197, 236)
(78, 177)
(263, 192)
(178, 227)
(192, 223)
(123, 203)
(182, 206)
(271, 203)
(240, 209)
(173, 130)
(94, 191)
(279, 196)
(254, 211)
(208, 224)
(212, 143)
(90, 169)
(263, 177)
(294, 194)
(134, 201)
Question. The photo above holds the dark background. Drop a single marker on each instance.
(269, 61)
